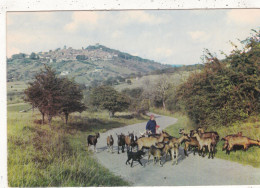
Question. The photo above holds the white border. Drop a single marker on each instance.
(58, 5)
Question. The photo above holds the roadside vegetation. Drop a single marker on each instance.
(56, 154)
(40, 155)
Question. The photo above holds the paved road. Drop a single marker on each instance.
(192, 170)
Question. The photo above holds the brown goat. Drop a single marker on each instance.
(226, 139)
(147, 142)
(158, 152)
(174, 144)
(92, 140)
(129, 140)
(110, 143)
(192, 143)
(210, 143)
(211, 134)
(241, 141)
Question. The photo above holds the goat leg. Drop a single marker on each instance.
(177, 154)
(132, 163)
(172, 151)
(118, 148)
(140, 162)
(160, 161)
(149, 155)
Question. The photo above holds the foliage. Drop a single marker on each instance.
(72, 97)
(81, 57)
(108, 98)
(110, 81)
(18, 56)
(161, 90)
(138, 104)
(53, 95)
(129, 82)
(34, 56)
(225, 90)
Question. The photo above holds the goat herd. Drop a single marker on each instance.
(160, 145)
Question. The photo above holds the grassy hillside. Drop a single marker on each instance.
(42, 156)
(176, 78)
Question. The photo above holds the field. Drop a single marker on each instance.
(176, 78)
(249, 128)
(15, 92)
(39, 155)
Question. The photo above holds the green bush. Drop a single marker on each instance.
(225, 90)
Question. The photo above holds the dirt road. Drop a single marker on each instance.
(192, 170)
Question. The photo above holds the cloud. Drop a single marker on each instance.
(117, 34)
(244, 16)
(199, 36)
(140, 17)
(20, 38)
(163, 52)
(82, 18)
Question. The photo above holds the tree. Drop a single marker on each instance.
(72, 97)
(129, 82)
(225, 90)
(53, 95)
(19, 56)
(34, 56)
(81, 57)
(108, 98)
(161, 89)
(44, 93)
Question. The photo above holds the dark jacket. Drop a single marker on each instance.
(151, 124)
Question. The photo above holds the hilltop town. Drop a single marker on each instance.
(94, 63)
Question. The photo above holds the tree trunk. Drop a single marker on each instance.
(42, 118)
(66, 118)
(49, 119)
(111, 114)
(164, 105)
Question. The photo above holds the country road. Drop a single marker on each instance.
(192, 170)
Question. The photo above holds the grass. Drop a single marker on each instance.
(15, 91)
(249, 128)
(176, 78)
(39, 155)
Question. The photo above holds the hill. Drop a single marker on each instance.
(94, 63)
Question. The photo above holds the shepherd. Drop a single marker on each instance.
(151, 125)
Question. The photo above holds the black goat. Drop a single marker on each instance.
(135, 156)
(121, 142)
(92, 140)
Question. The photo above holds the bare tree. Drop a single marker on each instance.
(161, 89)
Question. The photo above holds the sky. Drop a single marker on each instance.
(165, 36)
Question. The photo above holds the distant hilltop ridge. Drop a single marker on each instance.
(92, 52)
(95, 62)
